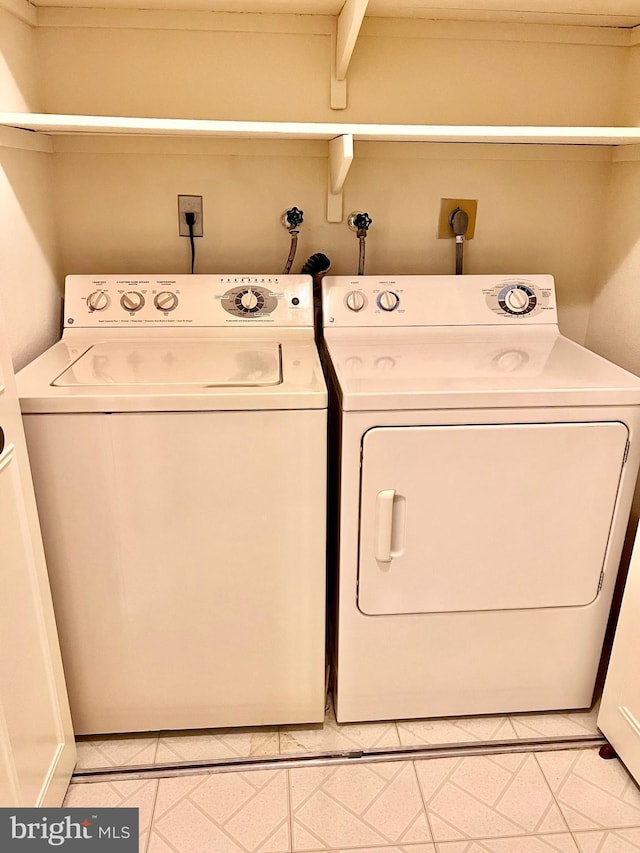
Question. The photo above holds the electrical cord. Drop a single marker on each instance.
(190, 218)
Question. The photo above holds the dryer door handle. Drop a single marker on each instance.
(384, 525)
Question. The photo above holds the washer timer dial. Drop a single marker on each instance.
(249, 301)
(517, 299)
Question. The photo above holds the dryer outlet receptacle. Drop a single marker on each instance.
(447, 206)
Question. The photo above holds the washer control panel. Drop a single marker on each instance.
(191, 300)
(438, 300)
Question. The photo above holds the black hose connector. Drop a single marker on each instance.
(316, 264)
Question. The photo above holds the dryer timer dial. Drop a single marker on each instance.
(517, 299)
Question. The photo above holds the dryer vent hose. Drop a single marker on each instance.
(317, 266)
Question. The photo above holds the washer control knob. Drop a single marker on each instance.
(355, 300)
(388, 300)
(249, 299)
(517, 299)
(132, 301)
(165, 300)
(98, 300)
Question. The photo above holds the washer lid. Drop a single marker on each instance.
(204, 363)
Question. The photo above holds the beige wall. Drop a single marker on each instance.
(614, 322)
(29, 283)
(630, 113)
(29, 289)
(410, 71)
(118, 212)
(19, 66)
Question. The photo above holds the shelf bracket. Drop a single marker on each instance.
(340, 159)
(343, 41)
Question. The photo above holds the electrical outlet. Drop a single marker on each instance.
(189, 204)
(447, 206)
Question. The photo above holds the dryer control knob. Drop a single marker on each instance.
(355, 300)
(132, 301)
(388, 300)
(517, 299)
(98, 300)
(165, 301)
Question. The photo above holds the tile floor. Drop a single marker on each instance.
(569, 801)
(214, 744)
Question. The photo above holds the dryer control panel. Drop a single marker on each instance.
(128, 301)
(438, 300)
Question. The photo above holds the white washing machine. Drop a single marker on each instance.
(177, 437)
(485, 470)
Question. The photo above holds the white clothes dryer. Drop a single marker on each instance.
(485, 467)
(177, 437)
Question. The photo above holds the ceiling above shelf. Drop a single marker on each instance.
(599, 13)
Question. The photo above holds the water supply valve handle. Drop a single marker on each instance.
(292, 218)
(360, 222)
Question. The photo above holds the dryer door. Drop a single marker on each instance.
(486, 517)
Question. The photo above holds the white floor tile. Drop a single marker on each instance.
(332, 736)
(357, 806)
(609, 841)
(116, 751)
(556, 724)
(487, 797)
(455, 730)
(592, 793)
(222, 813)
(562, 843)
(202, 745)
(134, 794)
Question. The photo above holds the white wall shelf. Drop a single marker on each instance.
(340, 136)
(496, 134)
